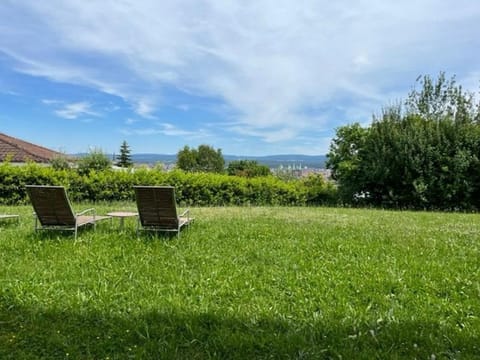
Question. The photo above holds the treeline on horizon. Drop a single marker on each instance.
(423, 153)
(272, 161)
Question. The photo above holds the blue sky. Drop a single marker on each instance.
(250, 77)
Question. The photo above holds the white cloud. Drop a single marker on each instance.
(268, 62)
(144, 107)
(131, 121)
(51, 102)
(172, 130)
(168, 130)
(75, 110)
(9, 92)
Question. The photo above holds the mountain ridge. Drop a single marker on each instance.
(273, 161)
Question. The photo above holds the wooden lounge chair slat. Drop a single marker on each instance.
(54, 211)
(157, 209)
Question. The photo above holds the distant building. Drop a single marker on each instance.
(19, 151)
(297, 171)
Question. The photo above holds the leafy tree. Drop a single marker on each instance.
(203, 159)
(187, 159)
(210, 160)
(60, 162)
(124, 159)
(247, 168)
(424, 156)
(442, 98)
(344, 160)
(95, 160)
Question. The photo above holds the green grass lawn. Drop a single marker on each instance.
(245, 283)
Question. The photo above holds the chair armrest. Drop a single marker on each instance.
(186, 212)
(92, 210)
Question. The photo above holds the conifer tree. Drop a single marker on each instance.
(124, 159)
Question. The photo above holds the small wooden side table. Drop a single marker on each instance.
(122, 215)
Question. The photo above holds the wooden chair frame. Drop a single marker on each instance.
(53, 210)
(157, 210)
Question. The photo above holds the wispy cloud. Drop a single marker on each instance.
(72, 110)
(75, 110)
(265, 62)
(9, 92)
(131, 121)
(51, 102)
(172, 130)
(168, 130)
(144, 107)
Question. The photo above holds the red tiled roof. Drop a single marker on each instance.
(21, 151)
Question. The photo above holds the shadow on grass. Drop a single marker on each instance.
(88, 231)
(58, 235)
(149, 236)
(35, 333)
(10, 228)
(9, 223)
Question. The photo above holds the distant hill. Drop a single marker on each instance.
(272, 161)
(154, 158)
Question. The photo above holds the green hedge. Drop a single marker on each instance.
(199, 189)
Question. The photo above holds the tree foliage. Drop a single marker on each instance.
(344, 159)
(247, 168)
(425, 155)
(203, 159)
(95, 160)
(442, 98)
(124, 159)
(60, 162)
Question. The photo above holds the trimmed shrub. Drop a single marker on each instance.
(196, 189)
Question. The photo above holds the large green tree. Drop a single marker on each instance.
(423, 155)
(203, 159)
